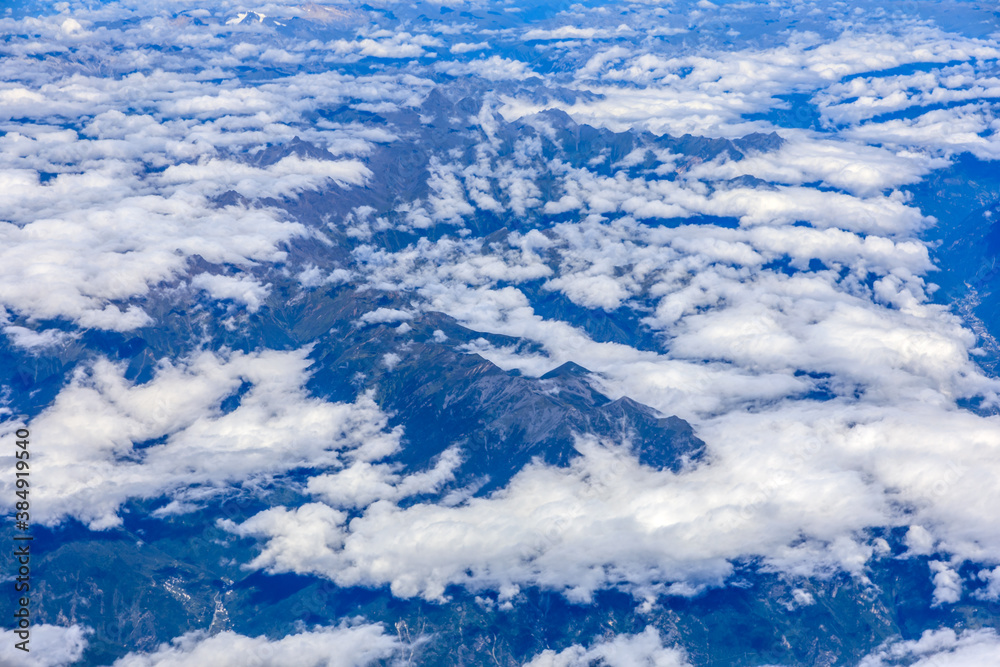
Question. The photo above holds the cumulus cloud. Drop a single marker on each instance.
(385, 316)
(566, 32)
(794, 328)
(74, 246)
(88, 153)
(467, 47)
(969, 128)
(813, 291)
(494, 68)
(893, 362)
(605, 521)
(362, 483)
(75, 264)
(992, 589)
(939, 648)
(343, 646)
(29, 338)
(796, 496)
(597, 196)
(708, 93)
(50, 646)
(385, 44)
(113, 440)
(857, 169)
(238, 288)
(289, 175)
(624, 650)
(947, 584)
(861, 98)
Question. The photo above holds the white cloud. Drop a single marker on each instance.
(281, 57)
(708, 93)
(100, 426)
(968, 128)
(947, 584)
(385, 315)
(386, 45)
(919, 541)
(363, 483)
(466, 47)
(238, 288)
(992, 589)
(604, 521)
(590, 291)
(88, 256)
(494, 68)
(566, 32)
(596, 195)
(390, 360)
(939, 648)
(861, 98)
(597, 62)
(859, 170)
(75, 263)
(344, 646)
(789, 478)
(30, 338)
(49, 646)
(737, 335)
(623, 650)
(289, 175)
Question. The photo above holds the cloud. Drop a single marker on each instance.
(812, 293)
(49, 646)
(237, 288)
(590, 291)
(467, 47)
(72, 196)
(598, 61)
(947, 584)
(566, 32)
(969, 128)
(862, 98)
(363, 483)
(343, 646)
(856, 169)
(288, 176)
(892, 362)
(992, 579)
(494, 68)
(75, 264)
(919, 541)
(113, 440)
(281, 57)
(623, 650)
(385, 315)
(709, 93)
(32, 339)
(604, 521)
(383, 44)
(939, 648)
(792, 324)
(599, 196)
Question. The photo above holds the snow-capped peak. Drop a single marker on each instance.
(243, 16)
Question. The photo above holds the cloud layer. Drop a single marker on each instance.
(768, 277)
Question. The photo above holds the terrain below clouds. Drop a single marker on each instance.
(476, 333)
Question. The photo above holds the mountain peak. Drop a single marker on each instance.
(569, 369)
